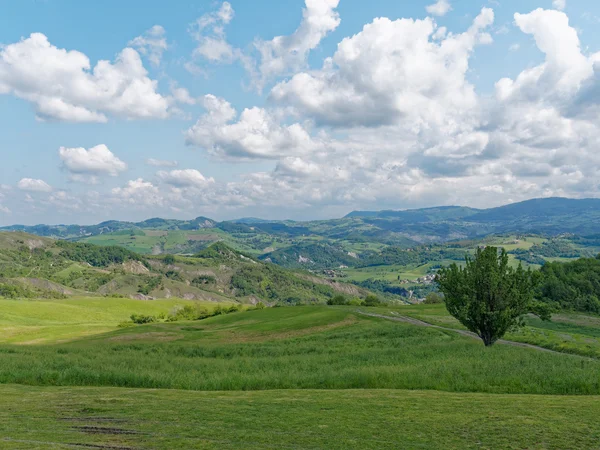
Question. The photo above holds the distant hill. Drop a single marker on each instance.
(291, 243)
(34, 267)
(420, 215)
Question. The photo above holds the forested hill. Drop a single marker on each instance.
(549, 216)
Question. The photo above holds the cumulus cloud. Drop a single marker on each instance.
(559, 4)
(33, 185)
(439, 8)
(391, 121)
(255, 134)
(283, 55)
(152, 44)
(87, 165)
(185, 178)
(161, 163)
(63, 85)
(209, 32)
(391, 71)
(182, 95)
(138, 194)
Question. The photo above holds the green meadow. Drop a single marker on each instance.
(298, 377)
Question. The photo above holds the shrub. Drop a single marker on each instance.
(169, 259)
(202, 280)
(338, 300)
(433, 298)
(141, 319)
(372, 300)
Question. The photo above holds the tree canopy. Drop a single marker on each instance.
(488, 296)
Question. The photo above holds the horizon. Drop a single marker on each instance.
(286, 219)
(307, 110)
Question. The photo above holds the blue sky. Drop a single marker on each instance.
(304, 110)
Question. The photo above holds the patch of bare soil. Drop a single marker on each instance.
(88, 429)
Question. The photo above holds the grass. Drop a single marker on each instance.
(567, 332)
(282, 378)
(51, 321)
(296, 348)
(173, 419)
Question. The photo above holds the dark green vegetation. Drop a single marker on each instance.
(573, 285)
(32, 267)
(388, 419)
(488, 296)
(395, 253)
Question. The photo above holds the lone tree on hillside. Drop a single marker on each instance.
(488, 296)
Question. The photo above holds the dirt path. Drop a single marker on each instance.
(420, 323)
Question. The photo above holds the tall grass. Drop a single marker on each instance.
(287, 348)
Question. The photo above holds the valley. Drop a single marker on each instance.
(135, 336)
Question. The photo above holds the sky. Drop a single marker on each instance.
(299, 109)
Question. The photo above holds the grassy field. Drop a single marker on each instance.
(288, 377)
(52, 321)
(169, 419)
(567, 332)
(296, 348)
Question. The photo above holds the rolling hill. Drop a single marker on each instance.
(34, 267)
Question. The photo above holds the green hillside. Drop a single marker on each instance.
(285, 377)
(32, 267)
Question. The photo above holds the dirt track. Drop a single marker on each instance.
(420, 323)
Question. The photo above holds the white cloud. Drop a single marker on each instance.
(86, 165)
(392, 121)
(138, 193)
(182, 95)
(161, 163)
(34, 185)
(209, 32)
(152, 44)
(390, 71)
(283, 55)
(514, 47)
(559, 4)
(63, 86)
(439, 8)
(185, 178)
(256, 134)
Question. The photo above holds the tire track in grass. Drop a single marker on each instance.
(420, 323)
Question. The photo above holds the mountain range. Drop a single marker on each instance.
(547, 216)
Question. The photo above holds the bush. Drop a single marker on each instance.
(169, 259)
(338, 300)
(372, 300)
(202, 280)
(189, 312)
(141, 319)
(174, 275)
(433, 298)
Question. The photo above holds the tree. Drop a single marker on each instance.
(488, 296)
